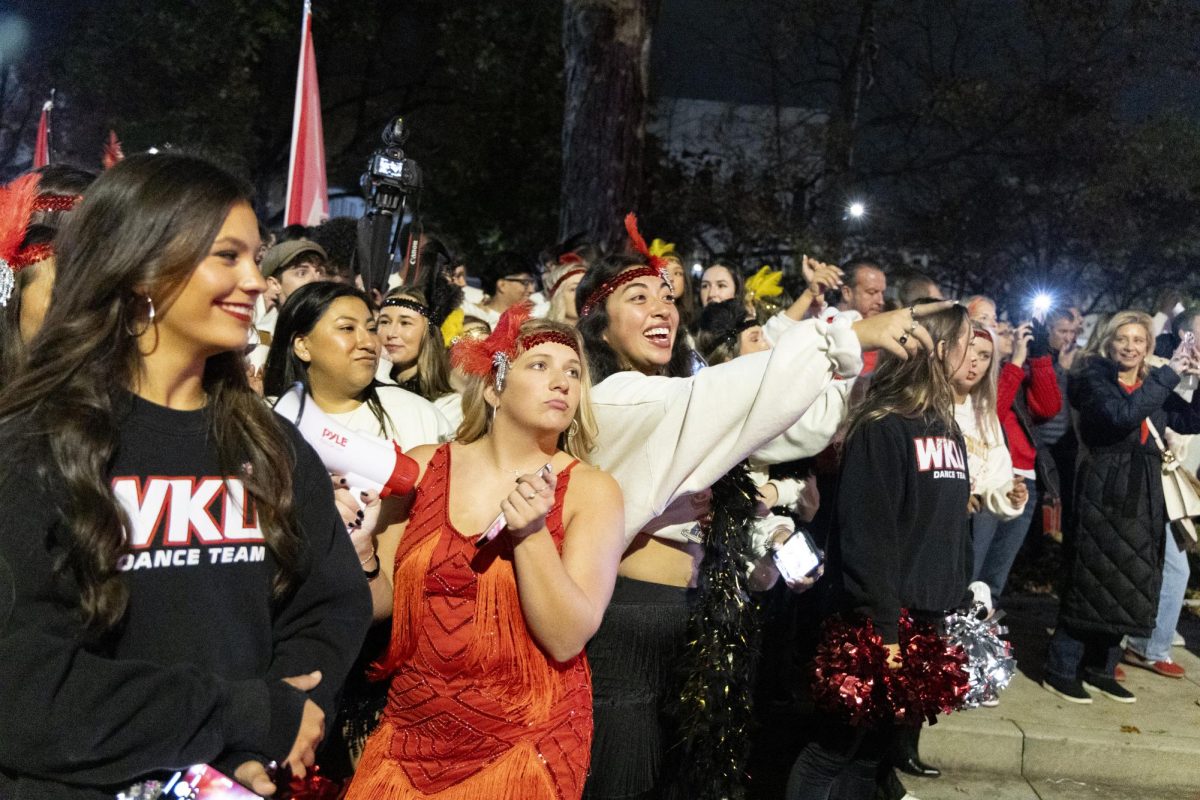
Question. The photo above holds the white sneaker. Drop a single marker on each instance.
(995, 701)
(1177, 640)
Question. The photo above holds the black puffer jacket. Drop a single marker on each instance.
(1113, 555)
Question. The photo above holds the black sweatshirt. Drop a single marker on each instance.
(901, 536)
(193, 673)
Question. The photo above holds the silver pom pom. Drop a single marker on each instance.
(500, 364)
(990, 665)
(8, 281)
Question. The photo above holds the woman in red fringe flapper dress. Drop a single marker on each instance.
(490, 694)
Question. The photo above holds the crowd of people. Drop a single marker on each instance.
(183, 581)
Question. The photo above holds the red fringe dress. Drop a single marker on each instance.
(475, 708)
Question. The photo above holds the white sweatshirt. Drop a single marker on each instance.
(414, 420)
(988, 461)
(667, 440)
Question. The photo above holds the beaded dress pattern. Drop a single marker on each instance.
(475, 708)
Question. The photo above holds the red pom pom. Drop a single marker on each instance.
(851, 676)
(315, 786)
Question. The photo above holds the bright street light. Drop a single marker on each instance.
(856, 210)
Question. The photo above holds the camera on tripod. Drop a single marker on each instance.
(392, 187)
(390, 174)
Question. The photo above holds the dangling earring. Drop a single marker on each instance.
(150, 311)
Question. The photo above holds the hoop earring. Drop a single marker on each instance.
(150, 314)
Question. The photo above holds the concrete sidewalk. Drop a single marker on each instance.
(1057, 749)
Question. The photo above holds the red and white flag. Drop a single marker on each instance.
(41, 147)
(307, 191)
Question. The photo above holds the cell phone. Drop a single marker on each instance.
(500, 523)
(199, 782)
(798, 557)
(1188, 383)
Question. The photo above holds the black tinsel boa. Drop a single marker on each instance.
(715, 703)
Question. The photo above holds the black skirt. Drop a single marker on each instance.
(634, 658)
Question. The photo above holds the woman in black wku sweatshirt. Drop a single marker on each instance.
(900, 537)
(179, 587)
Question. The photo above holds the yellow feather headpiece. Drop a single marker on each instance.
(764, 283)
(452, 327)
(662, 249)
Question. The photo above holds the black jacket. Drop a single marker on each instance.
(1113, 554)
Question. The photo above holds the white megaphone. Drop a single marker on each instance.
(367, 462)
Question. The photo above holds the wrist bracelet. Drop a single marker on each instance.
(371, 574)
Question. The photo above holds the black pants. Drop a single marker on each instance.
(842, 763)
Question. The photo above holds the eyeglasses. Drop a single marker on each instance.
(524, 281)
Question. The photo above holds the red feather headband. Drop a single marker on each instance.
(16, 206)
(501, 348)
(639, 244)
(656, 266)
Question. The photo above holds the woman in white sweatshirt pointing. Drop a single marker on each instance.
(667, 436)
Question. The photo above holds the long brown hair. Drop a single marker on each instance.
(578, 440)
(142, 229)
(920, 385)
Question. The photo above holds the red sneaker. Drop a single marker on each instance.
(1167, 668)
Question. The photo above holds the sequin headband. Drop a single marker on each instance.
(56, 202)
(569, 273)
(483, 357)
(411, 305)
(601, 292)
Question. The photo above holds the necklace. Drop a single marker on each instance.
(517, 473)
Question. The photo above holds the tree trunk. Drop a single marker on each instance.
(606, 46)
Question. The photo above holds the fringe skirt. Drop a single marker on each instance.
(635, 680)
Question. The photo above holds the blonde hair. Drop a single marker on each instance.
(983, 394)
(976, 301)
(477, 412)
(1100, 343)
(560, 302)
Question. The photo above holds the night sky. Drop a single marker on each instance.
(701, 49)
